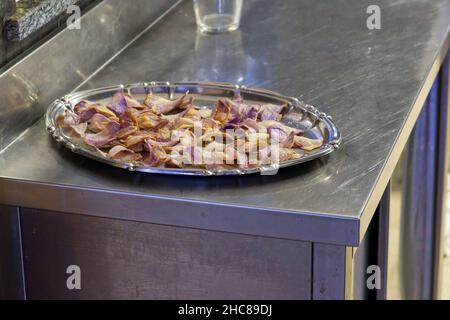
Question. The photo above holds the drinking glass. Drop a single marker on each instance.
(215, 16)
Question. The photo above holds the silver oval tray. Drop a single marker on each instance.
(314, 123)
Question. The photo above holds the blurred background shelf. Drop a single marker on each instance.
(27, 23)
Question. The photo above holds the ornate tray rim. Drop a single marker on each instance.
(65, 102)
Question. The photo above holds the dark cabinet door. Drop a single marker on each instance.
(11, 268)
(122, 259)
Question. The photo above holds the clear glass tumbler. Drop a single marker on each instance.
(218, 15)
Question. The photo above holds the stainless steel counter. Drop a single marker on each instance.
(373, 83)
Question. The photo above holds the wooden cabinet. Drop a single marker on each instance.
(120, 259)
(131, 260)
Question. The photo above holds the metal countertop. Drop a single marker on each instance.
(373, 83)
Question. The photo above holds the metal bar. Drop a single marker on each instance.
(373, 251)
(383, 241)
(349, 273)
(442, 169)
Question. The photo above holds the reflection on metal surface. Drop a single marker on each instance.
(395, 281)
(223, 58)
(213, 58)
(19, 105)
(445, 271)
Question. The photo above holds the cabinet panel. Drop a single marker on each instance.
(11, 276)
(122, 259)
